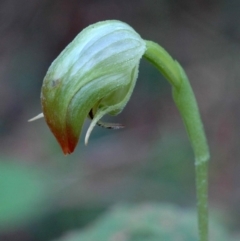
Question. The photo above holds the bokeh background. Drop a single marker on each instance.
(151, 159)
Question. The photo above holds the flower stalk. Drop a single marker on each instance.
(186, 103)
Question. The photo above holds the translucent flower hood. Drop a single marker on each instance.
(93, 76)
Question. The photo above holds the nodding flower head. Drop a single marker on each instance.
(93, 76)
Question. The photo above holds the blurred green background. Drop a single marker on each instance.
(44, 195)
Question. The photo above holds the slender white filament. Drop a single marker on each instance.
(39, 116)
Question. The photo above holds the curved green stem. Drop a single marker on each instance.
(186, 103)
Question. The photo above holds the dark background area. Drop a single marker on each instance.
(151, 159)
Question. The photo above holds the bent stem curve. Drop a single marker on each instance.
(186, 103)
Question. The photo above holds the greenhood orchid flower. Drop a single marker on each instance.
(93, 76)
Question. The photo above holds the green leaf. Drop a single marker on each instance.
(146, 222)
(22, 194)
